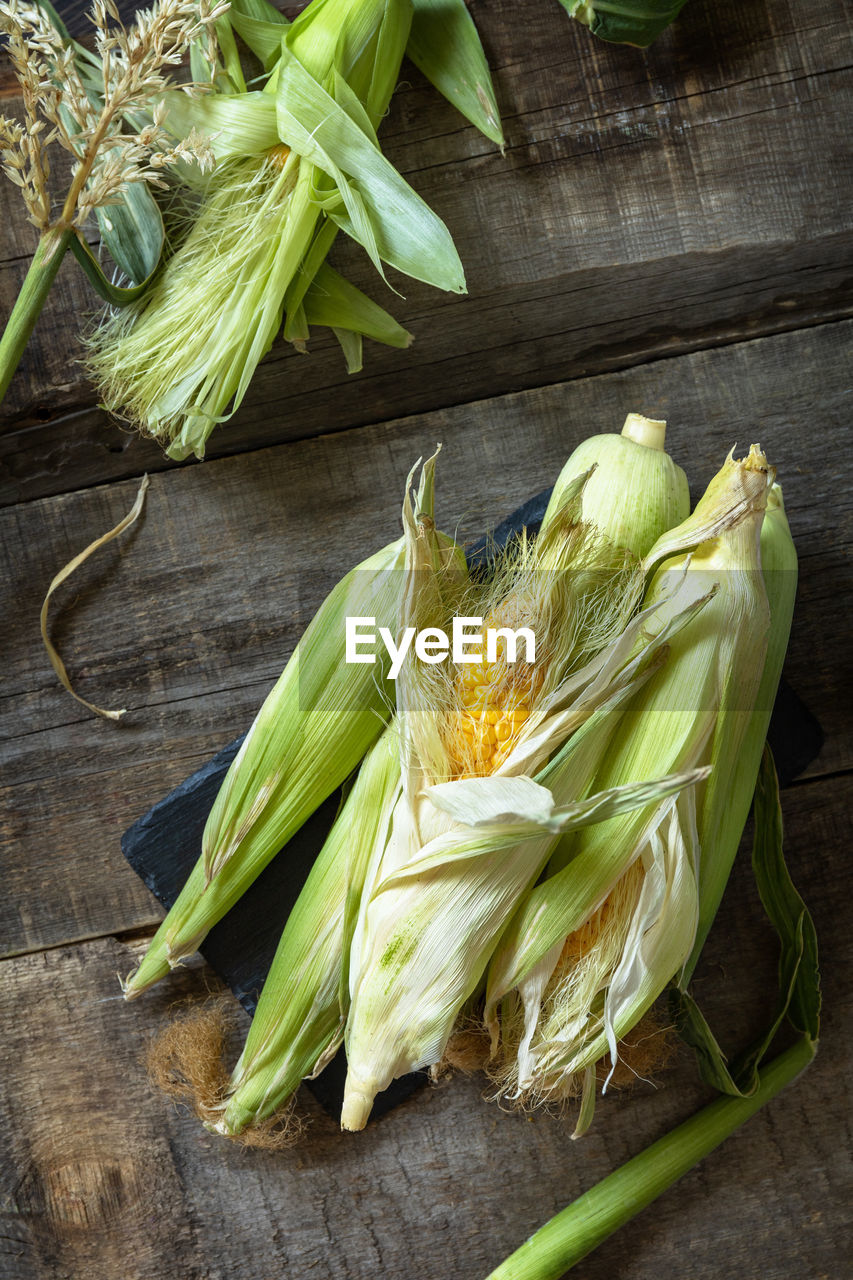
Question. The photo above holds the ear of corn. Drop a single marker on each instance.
(431, 925)
(709, 678)
(298, 1024)
(312, 731)
(435, 904)
(730, 789)
(294, 163)
(636, 491)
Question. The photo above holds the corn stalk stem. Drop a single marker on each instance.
(84, 172)
(594, 1216)
(40, 276)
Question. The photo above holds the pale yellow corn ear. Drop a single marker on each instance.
(710, 677)
(441, 890)
(636, 491)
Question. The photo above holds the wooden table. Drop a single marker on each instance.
(668, 232)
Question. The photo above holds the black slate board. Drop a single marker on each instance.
(164, 845)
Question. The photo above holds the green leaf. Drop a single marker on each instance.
(375, 78)
(353, 106)
(258, 11)
(351, 345)
(383, 213)
(132, 232)
(799, 976)
(111, 293)
(335, 303)
(636, 22)
(785, 907)
(260, 25)
(200, 70)
(240, 124)
(323, 240)
(229, 54)
(445, 46)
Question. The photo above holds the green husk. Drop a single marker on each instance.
(294, 163)
(636, 492)
(369, 200)
(799, 977)
(312, 731)
(575, 1232)
(443, 43)
(712, 671)
(445, 46)
(636, 22)
(299, 1022)
(730, 791)
(260, 25)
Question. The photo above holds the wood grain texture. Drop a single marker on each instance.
(188, 618)
(648, 204)
(102, 1177)
(669, 231)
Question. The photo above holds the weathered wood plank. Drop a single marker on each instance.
(101, 1176)
(188, 619)
(688, 304)
(648, 204)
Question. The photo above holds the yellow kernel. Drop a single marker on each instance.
(278, 155)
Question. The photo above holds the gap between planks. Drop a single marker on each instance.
(159, 463)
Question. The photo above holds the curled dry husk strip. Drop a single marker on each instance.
(52, 652)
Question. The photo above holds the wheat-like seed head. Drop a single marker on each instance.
(128, 75)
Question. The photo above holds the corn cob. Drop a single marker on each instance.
(291, 1016)
(709, 680)
(437, 902)
(632, 492)
(298, 1024)
(312, 731)
(730, 789)
(294, 162)
(635, 493)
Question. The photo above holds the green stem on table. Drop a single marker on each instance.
(586, 1223)
(31, 299)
